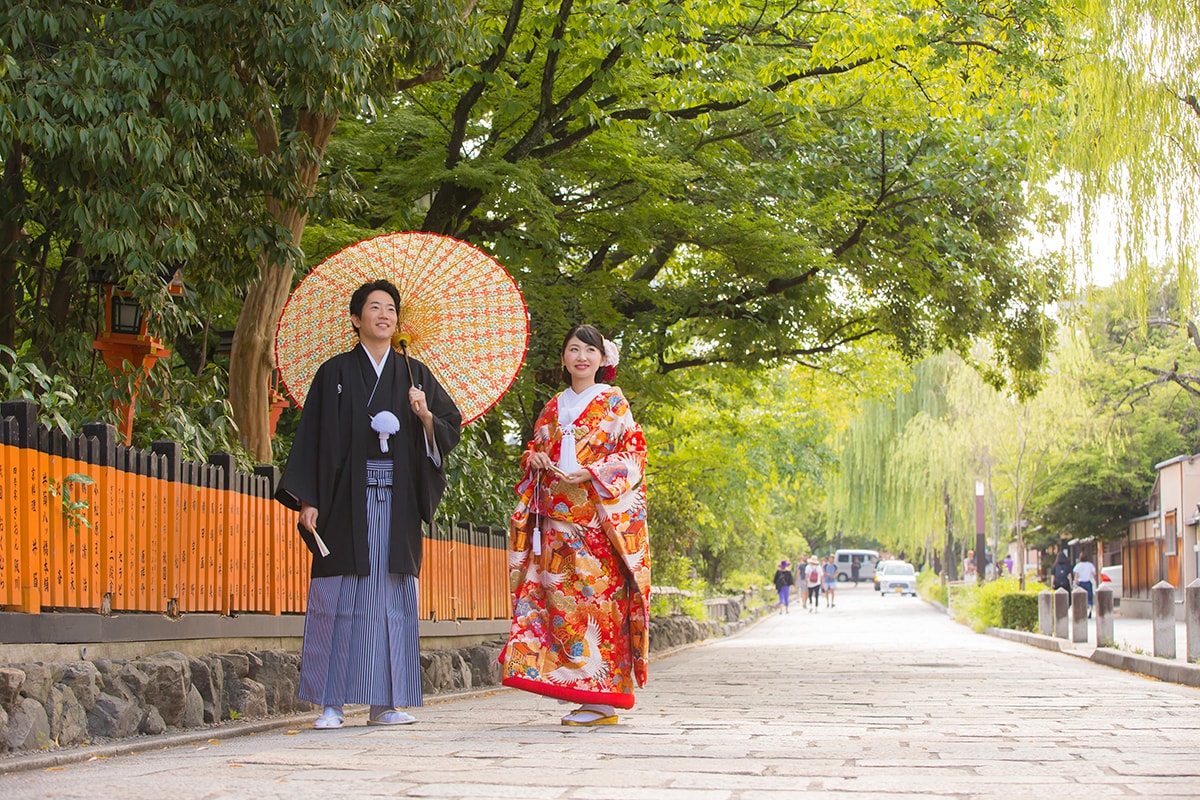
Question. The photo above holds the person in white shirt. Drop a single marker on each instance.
(812, 582)
(1085, 578)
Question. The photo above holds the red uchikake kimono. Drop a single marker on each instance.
(581, 609)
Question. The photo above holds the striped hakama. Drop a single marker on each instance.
(361, 642)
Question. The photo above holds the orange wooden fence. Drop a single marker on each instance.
(149, 531)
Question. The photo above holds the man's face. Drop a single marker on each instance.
(378, 320)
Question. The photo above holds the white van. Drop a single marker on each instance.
(855, 565)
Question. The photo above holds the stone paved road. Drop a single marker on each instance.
(878, 697)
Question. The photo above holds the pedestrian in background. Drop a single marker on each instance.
(812, 583)
(1060, 573)
(784, 580)
(829, 580)
(1085, 578)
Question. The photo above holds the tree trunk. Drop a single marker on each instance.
(58, 305)
(12, 198)
(949, 556)
(252, 357)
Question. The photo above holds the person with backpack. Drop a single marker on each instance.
(812, 582)
(784, 580)
(1060, 573)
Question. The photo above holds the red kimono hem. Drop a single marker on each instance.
(614, 699)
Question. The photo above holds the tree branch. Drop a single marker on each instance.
(794, 354)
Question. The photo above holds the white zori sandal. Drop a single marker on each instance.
(332, 717)
(382, 715)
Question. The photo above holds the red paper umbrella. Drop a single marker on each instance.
(460, 313)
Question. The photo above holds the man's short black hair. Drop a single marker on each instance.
(359, 298)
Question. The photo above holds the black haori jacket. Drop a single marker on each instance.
(327, 467)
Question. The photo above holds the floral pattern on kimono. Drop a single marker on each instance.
(580, 629)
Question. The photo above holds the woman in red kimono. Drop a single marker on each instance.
(579, 554)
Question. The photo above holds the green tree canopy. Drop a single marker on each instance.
(738, 183)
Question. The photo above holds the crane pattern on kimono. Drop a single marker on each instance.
(585, 653)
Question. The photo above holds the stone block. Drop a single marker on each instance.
(193, 712)
(11, 679)
(251, 699)
(114, 717)
(168, 679)
(28, 726)
(485, 668)
(68, 717)
(83, 679)
(152, 722)
(279, 673)
(208, 677)
(235, 667)
(37, 682)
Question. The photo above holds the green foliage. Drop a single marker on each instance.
(190, 409)
(980, 606)
(688, 600)
(1128, 140)
(735, 473)
(931, 587)
(1019, 611)
(740, 580)
(725, 184)
(1136, 379)
(53, 394)
(480, 474)
(72, 509)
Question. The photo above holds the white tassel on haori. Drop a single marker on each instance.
(385, 424)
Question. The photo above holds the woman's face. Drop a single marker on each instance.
(581, 360)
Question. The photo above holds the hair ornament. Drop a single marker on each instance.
(611, 356)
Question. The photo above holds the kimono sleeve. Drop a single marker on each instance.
(301, 481)
(621, 469)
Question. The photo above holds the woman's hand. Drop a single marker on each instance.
(539, 461)
(578, 476)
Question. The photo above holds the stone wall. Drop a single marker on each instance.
(44, 706)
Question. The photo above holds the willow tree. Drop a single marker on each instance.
(910, 466)
(881, 489)
(1130, 145)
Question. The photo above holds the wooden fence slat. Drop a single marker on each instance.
(10, 481)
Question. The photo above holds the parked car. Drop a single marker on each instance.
(855, 565)
(899, 577)
(880, 566)
(1115, 578)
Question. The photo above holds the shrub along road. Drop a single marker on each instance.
(880, 696)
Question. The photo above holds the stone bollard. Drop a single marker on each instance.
(1162, 601)
(1045, 613)
(1062, 602)
(1079, 609)
(1104, 616)
(1191, 612)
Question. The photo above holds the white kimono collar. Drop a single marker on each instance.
(571, 405)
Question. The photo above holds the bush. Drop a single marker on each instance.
(981, 607)
(689, 601)
(929, 586)
(1019, 611)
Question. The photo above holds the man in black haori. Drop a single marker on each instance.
(368, 461)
